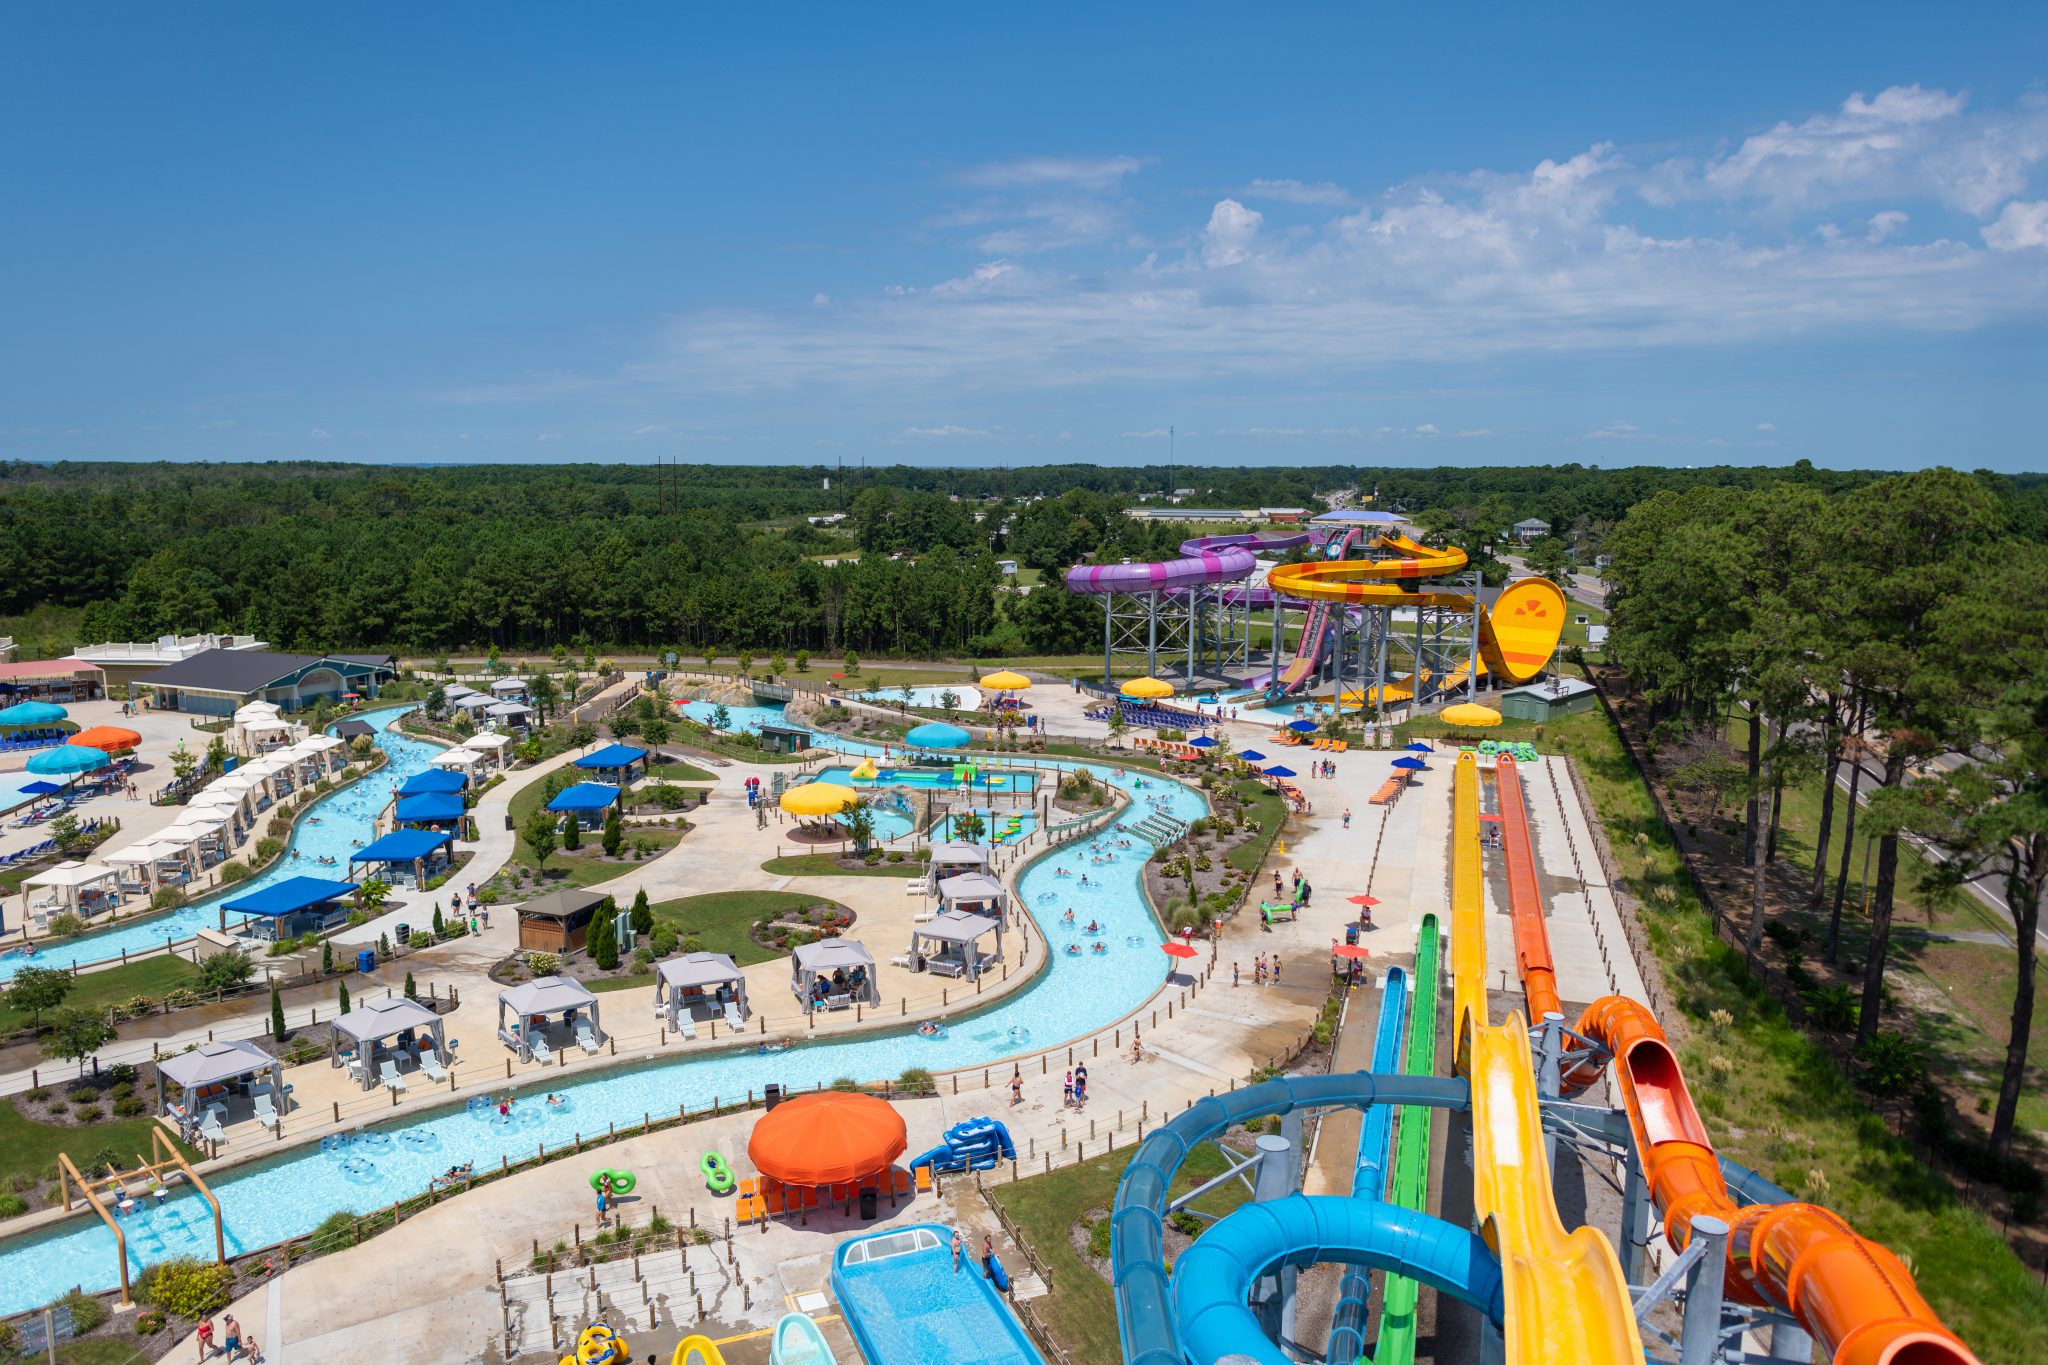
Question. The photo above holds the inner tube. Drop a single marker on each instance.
(600, 1345)
(622, 1181)
(716, 1174)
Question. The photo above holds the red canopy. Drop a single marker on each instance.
(1179, 949)
(827, 1138)
(1363, 900)
(1350, 950)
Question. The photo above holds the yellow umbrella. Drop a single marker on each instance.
(1468, 713)
(1006, 681)
(1148, 689)
(818, 798)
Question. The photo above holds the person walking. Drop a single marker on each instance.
(1081, 1084)
(230, 1337)
(1233, 976)
(205, 1338)
(1347, 817)
(1276, 969)
(1016, 1088)
(1067, 1092)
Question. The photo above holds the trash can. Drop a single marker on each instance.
(401, 936)
(772, 1093)
(508, 823)
(1351, 934)
(366, 960)
(867, 1204)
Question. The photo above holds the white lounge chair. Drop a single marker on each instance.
(266, 1111)
(538, 1046)
(387, 1074)
(734, 1020)
(586, 1037)
(687, 1024)
(431, 1065)
(209, 1127)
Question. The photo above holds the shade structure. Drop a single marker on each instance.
(1201, 742)
(1006, 680)
(1301, 727)
(431, 806)
(111, 738)
(1251, 755)
(1471, 714)
(256, 710)
(818, 798)
(1147, 689)
(433, 780)
(585, 796)
(938, 735)
(67, 760)
(1413, 765)
(1178, 950)
(32, 713)
(1278, 771)
(1351, 950)
(1363, 900)
(1418, 747)
(290, 896)
(828, 1138)
(612, 756)
(42, 789)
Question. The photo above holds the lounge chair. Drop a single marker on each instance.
(209, 1127)
(430, 1063)
(586, 1037)
(266, 1111)
(734, 1020)
(387, 1074)
(686, 1025)
(538, 1046)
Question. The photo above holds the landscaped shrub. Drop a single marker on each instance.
(664, 941)
(917, 1080)
(87, 1312)
(12, 1206)
(336, 1231)
(186, 1287)
(149, 1324)
(542, 964)
(266, 849)
(84, 1094)
(232, 872)
(87, 1113)
(181, 998)
(66, 924)
(422, 938)
(132, 1106)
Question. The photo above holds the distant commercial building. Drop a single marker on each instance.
(1284, 516)
(1534, 528)
(124, 661)
(1360, 516)
(1548, 700)
(1190, 514)
(219, 682)
(54, 680)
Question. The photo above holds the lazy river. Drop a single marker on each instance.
(289, 1196)
(328, 830)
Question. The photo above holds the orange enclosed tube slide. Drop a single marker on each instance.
(1853, 1296)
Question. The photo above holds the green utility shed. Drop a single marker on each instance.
(1547, 700)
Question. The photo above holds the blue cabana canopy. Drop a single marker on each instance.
(585, 796)
(32, 713)
(68, 759)
(938, 735)
(41, 789)
(433, 780)
(612, 756)
(1251, 756)
(1419, 747)
(1277, 771)
(1301, 727)
(290, 896)
(1413, 765)
(430, 806)
(1201, 742)
(402, 846)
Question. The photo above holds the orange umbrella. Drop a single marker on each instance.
(1363, 900)
(1350, 950)
(1178, 949)
(109, 737)
(827, 1138)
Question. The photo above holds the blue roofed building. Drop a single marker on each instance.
(585, 803)
(294, 906)
(405, 857)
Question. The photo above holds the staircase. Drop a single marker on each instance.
(1160, 829)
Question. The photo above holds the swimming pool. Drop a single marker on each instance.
(933, 778)
(966, 696)
(1001, 827)
(329, 830)
(907, 1305)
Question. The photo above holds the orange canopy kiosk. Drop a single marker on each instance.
(835, 1141)
(111, 738)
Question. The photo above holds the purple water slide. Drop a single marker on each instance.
(1205, 560)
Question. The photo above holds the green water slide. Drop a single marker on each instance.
(1410, 1182)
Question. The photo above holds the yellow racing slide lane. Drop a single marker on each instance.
(1567, 1301)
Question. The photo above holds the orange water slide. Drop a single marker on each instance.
(1525, 911)
(1853, 1296)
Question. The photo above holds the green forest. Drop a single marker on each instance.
(327, 556)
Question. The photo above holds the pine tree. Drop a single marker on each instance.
(276, 1012)
(614, 833)
(412, 991)
(342, 993)
(327, 958)
(437, 922)
(643, 916)
(604, 938)
(572, 832)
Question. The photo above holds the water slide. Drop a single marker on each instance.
(1369, 1176)
(1533, 961)
(971, 1145)
(1410, 1180)
(1204, 562)
(1565, 1294)
(1516, 636)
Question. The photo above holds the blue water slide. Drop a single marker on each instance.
(1369, 1176)
(1214, 1276)
(970, 1145)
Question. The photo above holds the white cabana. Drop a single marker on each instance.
(240, 780)
(257, 711)
(79, 887)
(458, 757)
(710, 980)
(530, 1004)
(205, 1080)
(200, 834)
(455, 690)
(833, 973)
(509, 687)
(974, 893)
(950, 945)
(469, 701)
(508, 708)
(419, 1035)
(152, 862)
(487, 740)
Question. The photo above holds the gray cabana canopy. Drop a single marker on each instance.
(368, 1025)
(703, 975)
(537, 999)
(975, 893)
(952, 938)
(957, 853)
(209, 1065)
(812, 961)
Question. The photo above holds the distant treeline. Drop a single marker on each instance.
(323, 556)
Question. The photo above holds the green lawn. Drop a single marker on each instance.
(682, 772)
(719, 921)
(1783, 1107)
(153, 976)
(578, 869)
(99, 1351)
(827, 865)
(1045, 1207)
(30, 1148)
(1270, 810)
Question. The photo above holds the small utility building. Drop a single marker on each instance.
(1548, 700)
(558, 922)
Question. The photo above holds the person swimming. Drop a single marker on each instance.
(1068, 918)
(1100, 947)
(1073, 950)
(1093, 927)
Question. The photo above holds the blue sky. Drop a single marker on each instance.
(978, 235)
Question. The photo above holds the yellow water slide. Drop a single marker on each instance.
(1516, 636)
(1567, 1301)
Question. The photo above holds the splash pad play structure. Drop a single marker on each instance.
(1410, 627)
(1751, 1263)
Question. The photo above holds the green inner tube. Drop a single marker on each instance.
(622, 1181)
(716, 1175)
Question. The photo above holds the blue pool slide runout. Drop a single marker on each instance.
(971, 1145)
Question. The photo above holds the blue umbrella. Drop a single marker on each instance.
(1277, 771)
(41, 789)
(68, 760)
(1301, 727)
(938, 736)
(1419, 747)
(1202, 742)
(1413, 765)
(1251, 756)
(31, 713)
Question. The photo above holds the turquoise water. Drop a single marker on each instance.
(747, 718)
(329, 830)
(914, 1308)
(966, 697)
(933, 778)
(1072, 995)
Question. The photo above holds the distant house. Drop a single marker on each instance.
(1532, 529)
(1007, 567)
(1189, 514)
(1183, 492)
(1547, 700)
(219, 682)
(827, 519)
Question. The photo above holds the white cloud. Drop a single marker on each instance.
(1228, 238)
(1474, 433)
(549, 436)
(637, 432)
(219, 424)
(1616, 431)
(1887, 224)
(821, 300)
(1766, 426)
(1052, 224)
(317, 434)
(1426, 429)
(1155, 434)
(948, 433)
(2019, 226)
(1082, 172)
(1299, 192)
